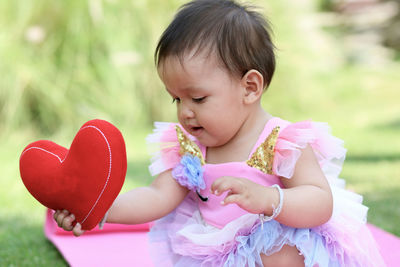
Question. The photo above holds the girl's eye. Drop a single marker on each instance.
(198, 99)
(176, 99)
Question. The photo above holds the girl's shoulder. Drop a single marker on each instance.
(280, 144)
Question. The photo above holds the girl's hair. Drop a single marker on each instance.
(239, 36)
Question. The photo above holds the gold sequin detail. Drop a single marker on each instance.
(263, 157)
(187, 145)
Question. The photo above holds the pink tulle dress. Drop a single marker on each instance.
(201, 232)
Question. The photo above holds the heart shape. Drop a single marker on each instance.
(85, 179)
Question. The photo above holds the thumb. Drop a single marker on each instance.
(78, 230)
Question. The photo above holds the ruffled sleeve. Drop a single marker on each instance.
(166, 155)
(170, 144)
(328, 149)
(179, 151)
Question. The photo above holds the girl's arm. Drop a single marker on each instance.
(144, 204)
(307, 198)
(139, 205)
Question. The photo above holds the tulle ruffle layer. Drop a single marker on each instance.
(183, 239)
(296, 136)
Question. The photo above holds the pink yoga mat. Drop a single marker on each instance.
(115, 245)
(127, 245)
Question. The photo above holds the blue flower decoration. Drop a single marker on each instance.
(189, 173)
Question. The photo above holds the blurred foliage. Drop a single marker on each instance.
(325, 5)
(379, 17)
(64, 62)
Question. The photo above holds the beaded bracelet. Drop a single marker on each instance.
(276, 211)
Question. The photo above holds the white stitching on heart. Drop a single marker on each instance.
(62, 160)
(39, 148)
(109, 170)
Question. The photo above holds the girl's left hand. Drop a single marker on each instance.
(250, 196)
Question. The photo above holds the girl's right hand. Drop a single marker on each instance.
(65, 219)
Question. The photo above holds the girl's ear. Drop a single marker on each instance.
(252, 82)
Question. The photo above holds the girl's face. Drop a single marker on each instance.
(209, 100)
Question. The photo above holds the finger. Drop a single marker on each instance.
(78, 230)
(61, 216)
(67, 222)
(230, 199)
(226, 184)
(56, 214)
(220, 185)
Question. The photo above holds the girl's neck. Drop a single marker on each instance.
(240, 146)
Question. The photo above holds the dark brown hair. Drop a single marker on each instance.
(239, 36)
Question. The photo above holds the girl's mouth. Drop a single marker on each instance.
(195, 131)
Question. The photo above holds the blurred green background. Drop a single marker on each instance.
(65, 62)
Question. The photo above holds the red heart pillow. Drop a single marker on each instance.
(85, 179)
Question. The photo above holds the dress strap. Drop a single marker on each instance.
(187, 145)
(262, 154)
(263, 157)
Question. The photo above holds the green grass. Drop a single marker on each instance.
(48, 90)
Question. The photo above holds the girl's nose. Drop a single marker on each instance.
(185, 111)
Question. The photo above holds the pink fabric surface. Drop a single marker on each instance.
(122, 245)
(389, 245)
(116, 246)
